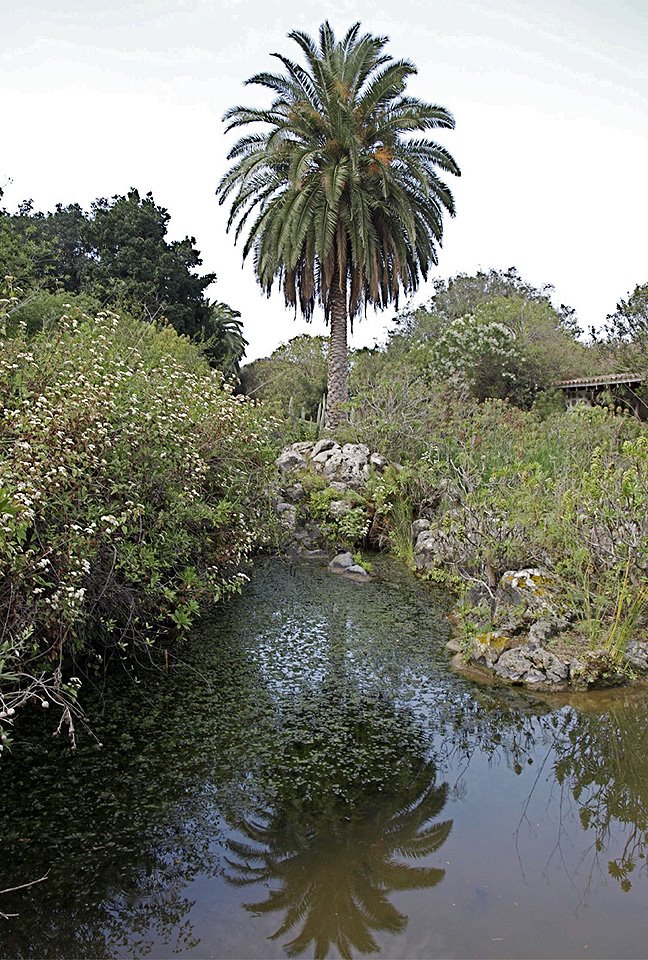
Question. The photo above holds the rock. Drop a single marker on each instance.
(310, 537)
(338, 508)
(350, 463)
(341, 562)
(636, 655)
(541, 631)
(287, 515)
(294, 493)
(486, 648)
(303, 446)
(513, 665)
(324, 445)
(379, 462)
(534, 676)
(524, 596)
(595, 668)
(334, 463)
(418, 527)
(290, 460)
(453, 645)
(338, 485)
(357, 571)
(322, 458)
(555, 669)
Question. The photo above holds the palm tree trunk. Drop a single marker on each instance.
(338, 358)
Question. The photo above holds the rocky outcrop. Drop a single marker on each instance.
(339, 472)
(527, 640)
(349, 464)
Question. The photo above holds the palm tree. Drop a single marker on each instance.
(346, 201)
(332, 876)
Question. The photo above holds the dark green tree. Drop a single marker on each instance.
(346, 201)
(132, 263)
(627, 330)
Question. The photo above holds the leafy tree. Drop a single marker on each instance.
(627, 330)
(497, 334)
(346, 205)
(119, 256)
(293, 376)
(456, 296)
(133, 263)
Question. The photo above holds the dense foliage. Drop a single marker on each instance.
(627, 331)
(505, 489)
(133, 485)
(116, 256)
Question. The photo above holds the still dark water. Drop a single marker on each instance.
(312, 780)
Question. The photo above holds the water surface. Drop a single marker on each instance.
(309, 778)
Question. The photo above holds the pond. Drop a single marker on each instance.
(310, 778)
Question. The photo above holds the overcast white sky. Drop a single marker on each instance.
(550, 99)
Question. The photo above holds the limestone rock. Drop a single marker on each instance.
(524, 596)
(514, 664)
(357, 571)
(379, 462)
(324, 445)
(287, 515)
(294, 493)
(486, 648)
(595, 668)
(290, 460)
(636, 655)
(418, 527)
(321, 458)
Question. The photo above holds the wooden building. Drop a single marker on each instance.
(623, 389)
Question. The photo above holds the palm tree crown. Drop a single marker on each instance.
(342, 201)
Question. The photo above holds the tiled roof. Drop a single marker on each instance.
(606, 379)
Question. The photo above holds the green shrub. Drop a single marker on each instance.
(133, 485)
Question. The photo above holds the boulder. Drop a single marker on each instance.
(418, 527)
(322, 458)
(595, 668)
(303, 446)
(324, 445)
(290, 460)
(636, 655)
(541, 631)
(513, 665)
(341, 562)
(486, 648)
(356, 572)
(555, 670)
(524, 596)
(287, 514)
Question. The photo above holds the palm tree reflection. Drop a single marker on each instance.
(333, 874)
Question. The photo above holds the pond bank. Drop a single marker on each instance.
(519, 626)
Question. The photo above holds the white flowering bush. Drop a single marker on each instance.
(133, 485)
(483, 354)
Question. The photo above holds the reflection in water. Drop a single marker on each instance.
(334, 875)
(303, 736)
(603, 761)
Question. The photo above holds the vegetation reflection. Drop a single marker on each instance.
(334, 848)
